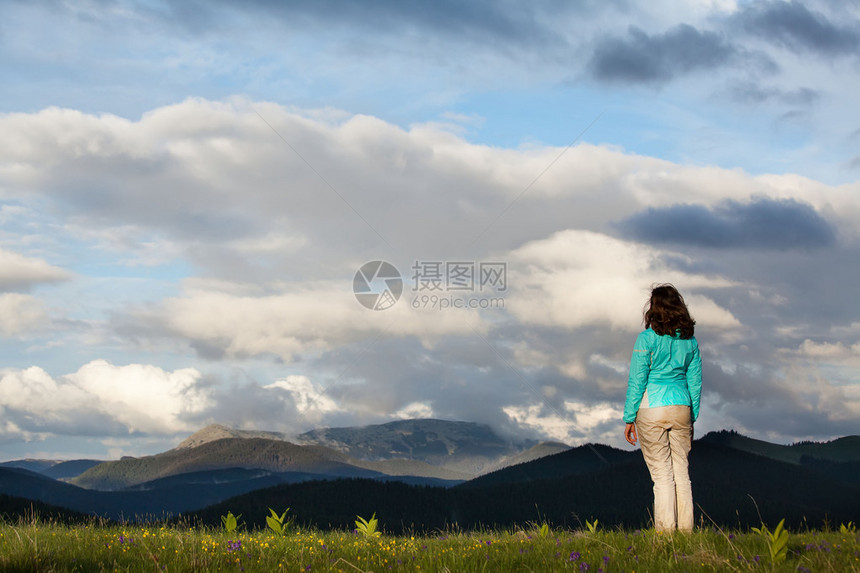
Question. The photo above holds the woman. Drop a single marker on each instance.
(663, 393)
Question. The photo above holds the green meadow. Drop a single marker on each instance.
(35, 546)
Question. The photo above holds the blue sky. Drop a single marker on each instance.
(188, 189)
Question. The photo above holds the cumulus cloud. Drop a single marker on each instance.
(213, 183)
(101, 398)
(802, 401)
(828, 349)
(576, 423)
(578, 278)
(301, 318)
(308, 398)
(18, 271)
(414, 410)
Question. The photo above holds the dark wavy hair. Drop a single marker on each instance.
(666, 312)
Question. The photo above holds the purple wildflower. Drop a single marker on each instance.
(584, 566)
(575, 555)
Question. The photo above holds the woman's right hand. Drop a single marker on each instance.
(630, 434)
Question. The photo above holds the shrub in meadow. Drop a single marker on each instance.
(367, 527)
(230, 521)
(276, 522)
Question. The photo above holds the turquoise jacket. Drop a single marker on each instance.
(669, 368)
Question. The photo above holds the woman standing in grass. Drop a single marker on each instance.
(663, 393)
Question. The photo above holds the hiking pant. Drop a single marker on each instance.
(666, 436)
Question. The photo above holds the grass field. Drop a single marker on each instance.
(37, 546)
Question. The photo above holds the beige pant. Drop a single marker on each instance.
(666, 436)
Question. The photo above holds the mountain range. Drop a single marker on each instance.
(435, 473)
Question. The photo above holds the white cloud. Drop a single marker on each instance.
(142, 397)
(827, 349)
(307, 317)
(309, 399)
(590, 416)
(577, 419)
(552, 425)
(577, 278)
(19, 271)
(100, 397)
(415, 410)
(845, 356)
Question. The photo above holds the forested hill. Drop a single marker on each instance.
(731, 488)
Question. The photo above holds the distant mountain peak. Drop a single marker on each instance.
(464, 447)
(214, 432)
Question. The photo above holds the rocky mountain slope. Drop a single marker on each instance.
(463, 447)
(215, 432)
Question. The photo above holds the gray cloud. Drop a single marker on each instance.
(793, 26)
(654, 59)
(750, 92)
(466, 378)
(755, 403)
(760, 224)
(500, 24)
